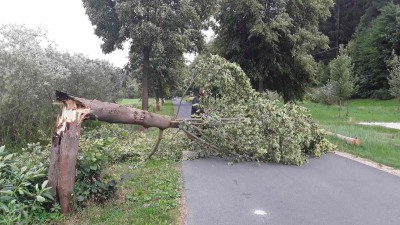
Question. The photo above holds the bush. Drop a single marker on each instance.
(91, 184)
(381, 94)
(23, 192)
(324, 94)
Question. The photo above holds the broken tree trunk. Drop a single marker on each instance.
(65, 140)
(64, 154)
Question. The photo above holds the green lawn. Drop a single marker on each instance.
(148, 194)
(379, 144)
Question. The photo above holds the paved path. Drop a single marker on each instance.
(329, 190)
(185, 109)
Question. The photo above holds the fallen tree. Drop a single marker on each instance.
(241, 125)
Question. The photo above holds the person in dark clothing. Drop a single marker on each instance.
(197, 108)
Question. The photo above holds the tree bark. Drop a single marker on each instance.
(64, 153)
(114, 113)
(145, 80)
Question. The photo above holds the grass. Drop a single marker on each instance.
(148, 194)
(379, 144)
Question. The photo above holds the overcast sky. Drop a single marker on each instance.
(67, 25)
(66, 22)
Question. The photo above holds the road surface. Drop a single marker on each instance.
(327, 191)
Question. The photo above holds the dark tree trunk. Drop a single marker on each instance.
(145, 80)
(260, 88)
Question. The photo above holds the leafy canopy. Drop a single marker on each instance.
(372, 47)
(272, 41)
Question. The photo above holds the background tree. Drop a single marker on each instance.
(31, 70)
(272, 41)
(347, 16)
(372, 47)
(342, 77)
(149, 25)
(394, 78)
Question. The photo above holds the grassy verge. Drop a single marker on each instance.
(149, 192)
(378, 144)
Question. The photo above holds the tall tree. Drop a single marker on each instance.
(342, 77)
(149, 24)
(272, 41)
(372, 47)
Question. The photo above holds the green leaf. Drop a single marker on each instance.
(7, 192)
(44, 184)
(80, 198)
(93, 167)
(40, 198)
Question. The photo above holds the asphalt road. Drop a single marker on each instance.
(327, 190)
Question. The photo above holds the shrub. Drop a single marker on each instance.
(324, 94)
(91, 184)
(381, 94)
(23, 192)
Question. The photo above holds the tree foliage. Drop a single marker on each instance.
(372, 47)
(342, 77)
(347, 16)
(150, 25)
(259, 129)
(394, 77)
(272, 41)
(31, 70)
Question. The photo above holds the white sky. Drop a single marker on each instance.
(66, 23)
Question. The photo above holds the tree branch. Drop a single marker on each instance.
(155, 148)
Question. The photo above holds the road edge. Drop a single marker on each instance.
(369, 163)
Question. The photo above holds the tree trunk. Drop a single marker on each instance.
(114, 113)
(64, 153)
(260, 85)
(145, 81)
(340, 108)
(162, 101)
(158, 105)
(348, 140)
